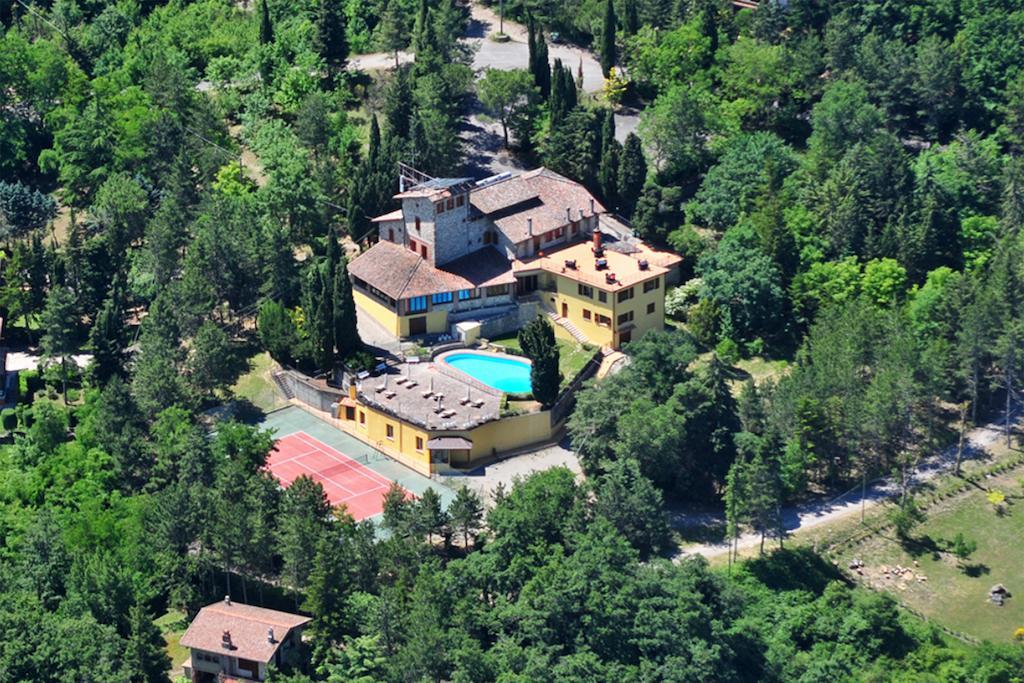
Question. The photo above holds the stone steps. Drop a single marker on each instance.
(283, 385)
(568, 327)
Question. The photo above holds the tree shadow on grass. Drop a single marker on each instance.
(795, 569)
(976, 569)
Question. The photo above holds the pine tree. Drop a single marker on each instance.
(608, 55)
(107, 340)
(431, 518)
(60, 320)
(145, 654)
(467, 513)
(266, 28)
(329, 38)
(632, 174)
(392, 29)
(398, 102)
(346, 332)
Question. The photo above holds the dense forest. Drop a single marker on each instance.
(181, 183)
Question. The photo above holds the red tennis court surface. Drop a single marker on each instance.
(344, 480)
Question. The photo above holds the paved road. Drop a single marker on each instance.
(21, 360)
(814, 514)
(485, 153)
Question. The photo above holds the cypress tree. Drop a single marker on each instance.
(542, 75)
(346, 333)
(537, 339)
(607, 129)
(608, 175)
(608, 55)
(318, 308)
(608, 170)
(419, 29)
(373, 148)
(569, 89)
(631, 20)
(266, 28)
(632, 173)
(557, 104)
(531, 46)
(332, 254)
(709, 27)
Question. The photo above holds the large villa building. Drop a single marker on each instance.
(508, 248)
(476, 261)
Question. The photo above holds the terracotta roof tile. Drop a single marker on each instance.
(401, 273)
(247, 626)
(625, 266)
(542, 195)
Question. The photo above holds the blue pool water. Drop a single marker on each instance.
(510, 375)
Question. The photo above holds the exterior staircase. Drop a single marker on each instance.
(282, 385)
(568, 327)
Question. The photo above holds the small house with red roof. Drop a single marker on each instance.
(231, 641)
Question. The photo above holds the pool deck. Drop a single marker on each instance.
(293, 419)
(432, 396)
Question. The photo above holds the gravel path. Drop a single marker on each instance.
(809, 515)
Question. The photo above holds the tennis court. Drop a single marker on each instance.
(344, 479)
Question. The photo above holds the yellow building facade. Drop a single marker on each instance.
(410, 444)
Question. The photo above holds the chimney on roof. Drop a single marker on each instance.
(529, 226)
(225, 640)
(592, 212)
(270, 635)
(568, 215)
(597, 242)
(227, 599)
(581, 213)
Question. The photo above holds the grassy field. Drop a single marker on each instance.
(955, 593)
(258, 387)
(571, 356)
(173, 626)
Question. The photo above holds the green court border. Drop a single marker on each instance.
(291, 419)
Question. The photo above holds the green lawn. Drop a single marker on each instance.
(257, 385)
(173, 625)
(956, 594)
(762, 369)
(571, 356)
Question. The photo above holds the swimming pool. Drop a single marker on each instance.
(505, 373)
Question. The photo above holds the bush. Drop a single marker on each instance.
(28, 384)
(9, 420)
(728, 351)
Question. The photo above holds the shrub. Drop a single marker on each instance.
(728, 351)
